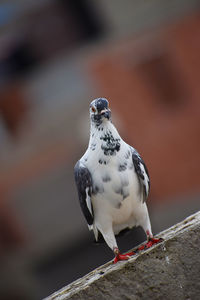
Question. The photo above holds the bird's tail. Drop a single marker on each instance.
(95, 230)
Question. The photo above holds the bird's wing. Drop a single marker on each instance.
(84, 185)
(142, 173)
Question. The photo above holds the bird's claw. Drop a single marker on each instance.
(150, 243)
(120, 256)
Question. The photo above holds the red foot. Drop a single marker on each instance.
(150, 243)
(141, 248)
(130, 253)
(119, 257)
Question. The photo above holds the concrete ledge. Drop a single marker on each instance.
(169, 270)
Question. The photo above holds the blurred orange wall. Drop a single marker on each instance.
(153, 83)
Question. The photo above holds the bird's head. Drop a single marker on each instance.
(99, 110)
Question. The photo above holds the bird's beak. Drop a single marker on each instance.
(106, 113)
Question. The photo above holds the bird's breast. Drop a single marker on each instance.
(113, 178)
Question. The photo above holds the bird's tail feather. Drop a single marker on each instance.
(95, 230)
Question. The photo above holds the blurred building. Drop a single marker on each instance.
(153, 79)
(55, 57)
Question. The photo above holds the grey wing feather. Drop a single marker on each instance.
(84, 186)
(142, 173)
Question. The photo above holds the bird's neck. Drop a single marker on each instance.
(98, 132)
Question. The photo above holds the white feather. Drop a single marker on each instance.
(146, 179)
(88, 200)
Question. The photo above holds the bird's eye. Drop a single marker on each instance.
(93, 109)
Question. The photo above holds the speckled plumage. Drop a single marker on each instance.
(116, 181)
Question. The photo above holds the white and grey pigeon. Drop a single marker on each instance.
(112, 181)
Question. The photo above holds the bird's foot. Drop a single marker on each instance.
(119, 256)
(152, 241)
(131, 253)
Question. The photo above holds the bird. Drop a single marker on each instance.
(113, 182)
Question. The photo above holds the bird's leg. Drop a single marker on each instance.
(111, 242)
(119, 256)
(150, 241)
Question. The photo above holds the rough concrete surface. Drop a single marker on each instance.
(169, 270)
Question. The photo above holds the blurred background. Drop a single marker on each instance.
(55, 57)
